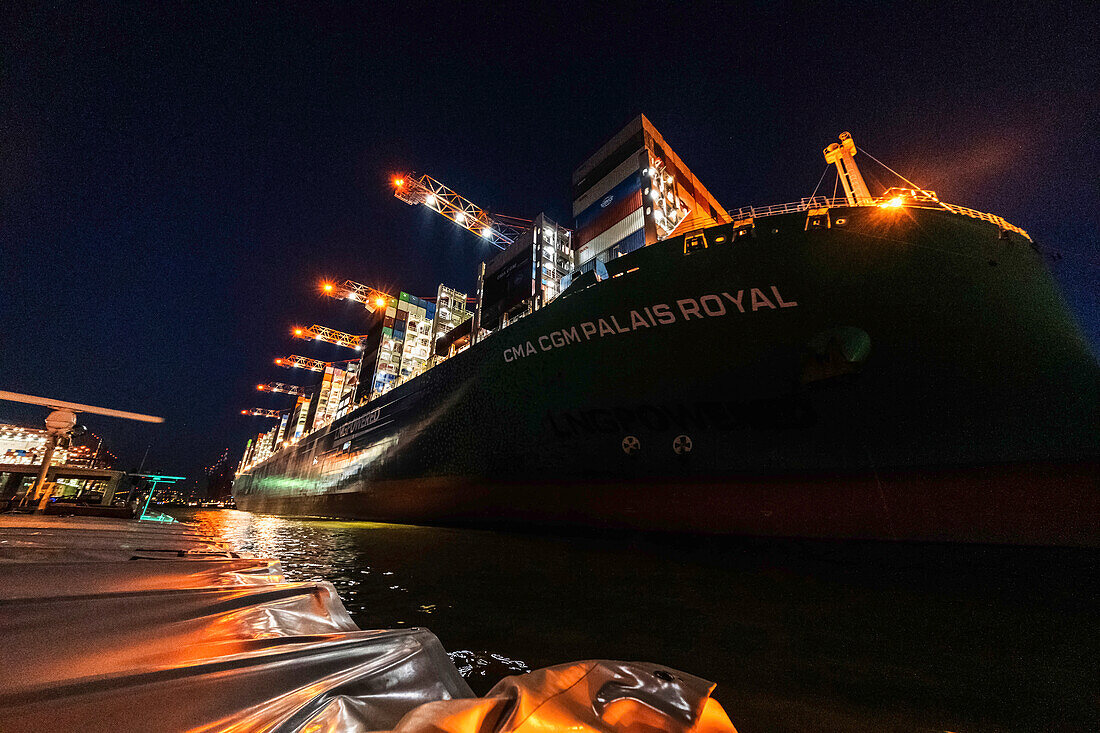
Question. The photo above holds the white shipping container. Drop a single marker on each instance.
(618, 231)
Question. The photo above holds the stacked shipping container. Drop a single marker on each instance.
(633, 192)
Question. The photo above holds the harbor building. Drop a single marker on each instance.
(21, 446)
(634, 191)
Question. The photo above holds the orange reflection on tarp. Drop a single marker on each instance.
(586, 697)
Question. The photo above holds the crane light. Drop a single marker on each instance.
(892, 203)
(486, 232)
(327, 287)
(380, 302)
(399, 182)
(298, 332)
(460, 217)
(260, 387)
(430, 201)
(278, 361)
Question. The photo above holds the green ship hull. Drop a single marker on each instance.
(899, 374)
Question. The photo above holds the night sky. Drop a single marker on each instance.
(175, 178)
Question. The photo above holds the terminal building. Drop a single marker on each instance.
(26, 446)
(634, 191)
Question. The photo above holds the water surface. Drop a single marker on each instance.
(799, 635)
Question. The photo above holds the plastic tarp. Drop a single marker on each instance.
(97, 636)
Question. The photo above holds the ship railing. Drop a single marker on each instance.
(991, 218)
(804, 204)
(820, 202)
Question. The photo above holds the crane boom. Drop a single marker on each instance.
(301, 362)
(262, 413)
(281, 387)
(371, 298)
(329, 335)
(426, 190)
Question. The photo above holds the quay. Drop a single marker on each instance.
(120, 625)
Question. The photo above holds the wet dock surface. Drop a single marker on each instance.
(799, 635)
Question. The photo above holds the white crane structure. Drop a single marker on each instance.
(496, 229)
(301, 362)
(372, 298)
(329, 335)
(257, 412)
(281, 387)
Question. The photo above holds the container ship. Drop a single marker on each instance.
(890, 367)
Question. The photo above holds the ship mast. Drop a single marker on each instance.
(842, 155)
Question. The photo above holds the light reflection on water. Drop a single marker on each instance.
(798, 634)
(366, 562)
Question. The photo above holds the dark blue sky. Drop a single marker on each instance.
(176, 177)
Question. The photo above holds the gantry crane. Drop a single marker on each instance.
(371, 298)
(302, 362)
(263, 413)
(499, 230)
(329, 335)
(294, 361)
(280, 387)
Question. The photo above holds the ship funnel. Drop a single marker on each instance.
(842, 155)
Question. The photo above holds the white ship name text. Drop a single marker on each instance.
(714, 305)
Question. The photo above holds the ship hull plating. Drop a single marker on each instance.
(894, 374)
